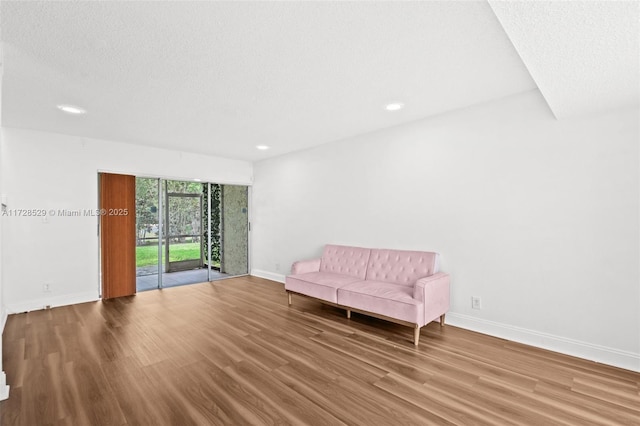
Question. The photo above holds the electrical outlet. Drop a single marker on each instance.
(46, 287)
(277, 266)
(476, 302)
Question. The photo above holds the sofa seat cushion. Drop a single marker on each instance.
(388, 299)
(322, 285)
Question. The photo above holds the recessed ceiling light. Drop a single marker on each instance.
(72, 109)
(262, 147)
(395, 106)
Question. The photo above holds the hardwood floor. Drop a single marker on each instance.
(233, 352)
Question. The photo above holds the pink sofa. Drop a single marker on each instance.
(396, 285)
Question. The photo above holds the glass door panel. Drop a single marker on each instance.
(147, 233)
(184, 232)
(234, 230)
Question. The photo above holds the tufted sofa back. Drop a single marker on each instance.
(345, 260)
(401, 266)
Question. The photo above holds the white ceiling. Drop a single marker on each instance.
(583, 55)
(222, 77)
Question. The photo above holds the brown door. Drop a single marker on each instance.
(118, 234)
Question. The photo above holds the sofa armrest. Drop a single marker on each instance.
(433, 291)
(304, 266)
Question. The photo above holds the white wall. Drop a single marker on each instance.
(4, 389)
(538, 217)
(52, 171)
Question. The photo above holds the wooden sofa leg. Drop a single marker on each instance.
(289, 297)
(442, 320)
(416, 335)
(348, 313)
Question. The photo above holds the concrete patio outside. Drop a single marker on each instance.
(148, 280)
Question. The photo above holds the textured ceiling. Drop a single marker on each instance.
(222, 77)
(583, 55)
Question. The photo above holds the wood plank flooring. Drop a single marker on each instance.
(232, 352)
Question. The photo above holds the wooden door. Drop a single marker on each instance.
(118, 234)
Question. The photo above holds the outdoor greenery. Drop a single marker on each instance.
(180, 222)
(147, 215)
(148, 255)
(146, 208)
(215, 224)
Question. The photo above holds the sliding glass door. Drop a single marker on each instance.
(149, 244)
(189, 232)
(183, 248)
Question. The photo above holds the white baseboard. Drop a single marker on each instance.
(590, 351)
(4, 389)
(42, 303)
(268, 275)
